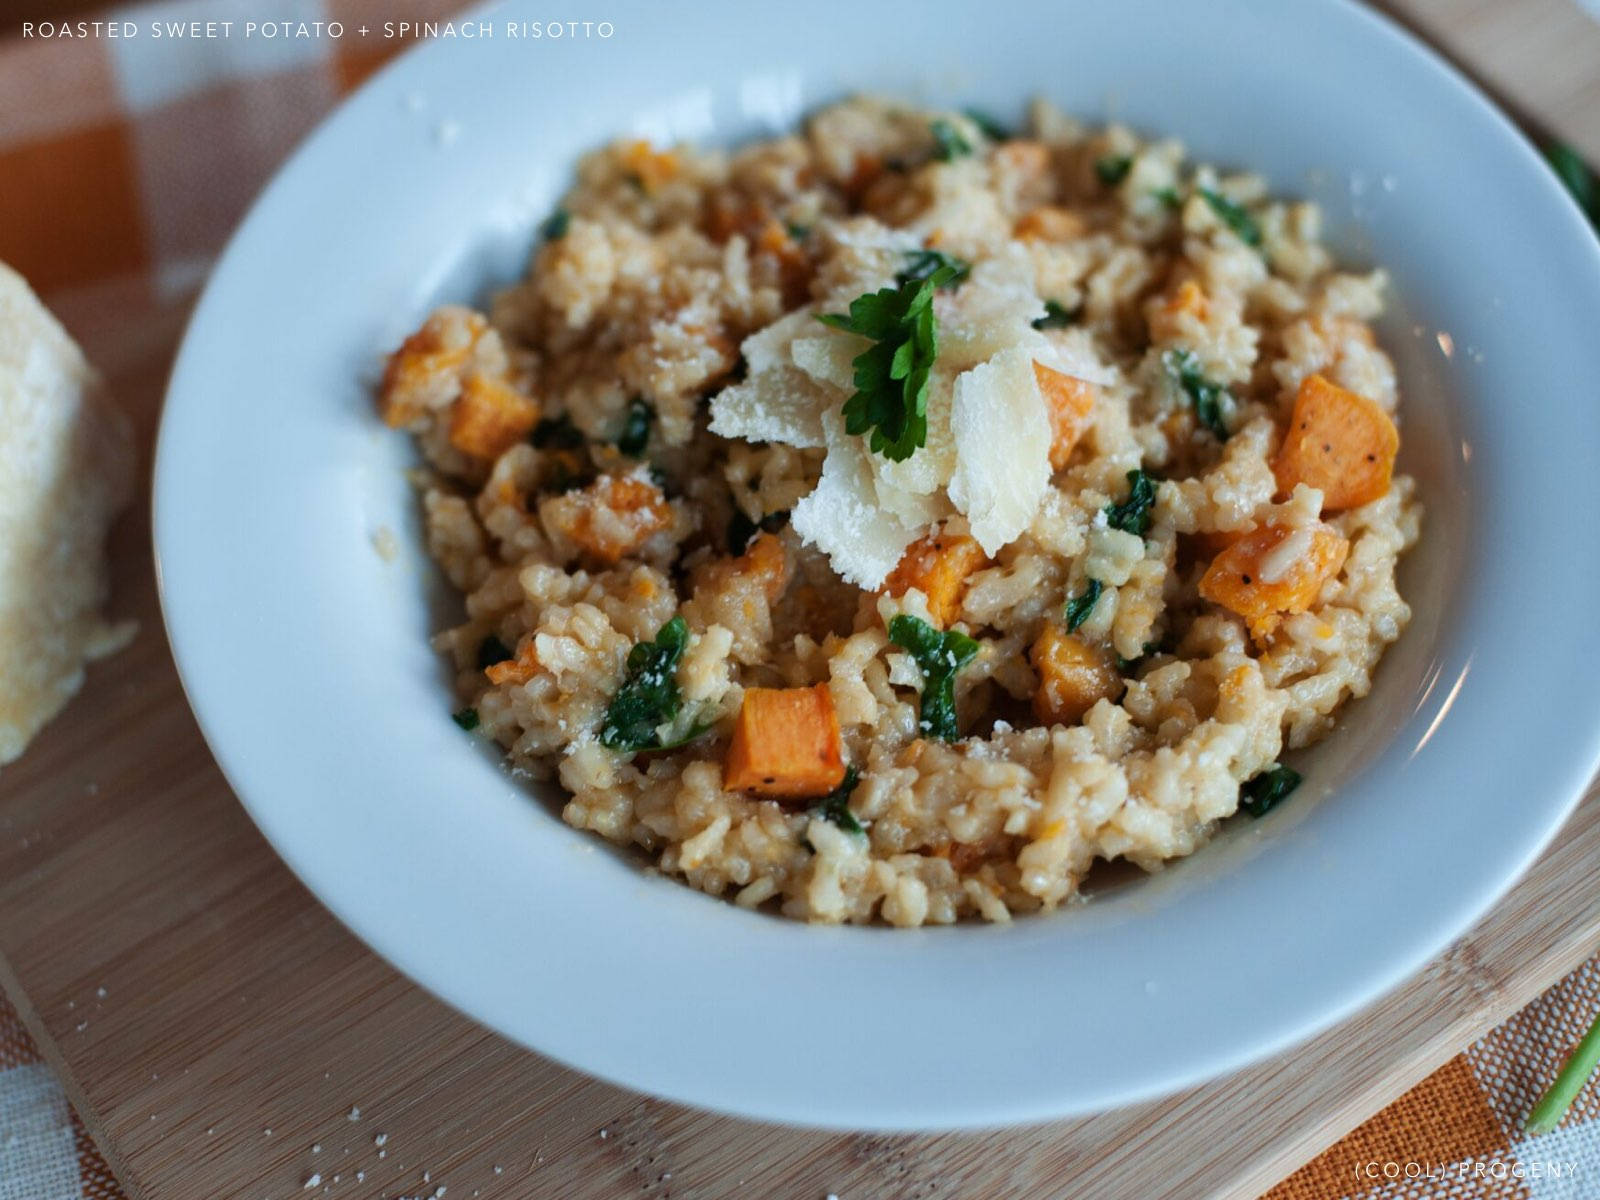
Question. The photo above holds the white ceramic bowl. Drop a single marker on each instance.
(305, 654)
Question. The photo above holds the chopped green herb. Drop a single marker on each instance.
(1133, 514)
(648, 697)
(467, 718)
(492, 650)
(1235, 216)
(1080, 606)
(1267, 790)
(635, 435)
(987, 125)
(1574, 1073)
(891, 376)
(1212, 401)
(835, 806)
(556, 225)
(949, 143)
(1057, 316)
(922, 264)
(939, 656)
(557, 433)
(1169, 197)
(1577, 177)
(1112, 169)
(796, 230)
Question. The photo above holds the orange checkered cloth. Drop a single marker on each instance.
(125, 163)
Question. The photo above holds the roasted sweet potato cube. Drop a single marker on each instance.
(1073, 676)
(489, 417)
(1051, 223)
(609, 519)
(1337, 441)
(1070, 402)
(519, 668)
(785, 744)
(1274, 571)
(651, 167)
(938, 566)
(424, 373)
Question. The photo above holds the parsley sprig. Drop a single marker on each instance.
(891, 376)
(939, 656)
(1133, 514)
(649, 696)
(1212, 401)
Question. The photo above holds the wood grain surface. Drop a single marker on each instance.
(223, 1036)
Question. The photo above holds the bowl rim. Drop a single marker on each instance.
(178, 570)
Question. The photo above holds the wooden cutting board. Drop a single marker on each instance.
(223, 1036)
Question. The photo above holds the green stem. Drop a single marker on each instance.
(1553, 1105)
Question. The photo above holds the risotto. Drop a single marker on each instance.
(892, 520)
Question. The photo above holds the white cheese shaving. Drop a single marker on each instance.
(1002, 438)
(842, 517)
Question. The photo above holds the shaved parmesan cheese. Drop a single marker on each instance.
(779, 405)
(841, 517)
(1002, 438)
(828, 357)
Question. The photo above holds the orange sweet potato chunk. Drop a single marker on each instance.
(489, 417)
(1337, 441)
(938, 565)
(785, 744)
(1070, 402)
(653, 168)
(1051, 223)
(611, 518)
(1073, 677)
(423, 371)
(1274, 571)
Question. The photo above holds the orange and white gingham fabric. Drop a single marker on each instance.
(123, 167)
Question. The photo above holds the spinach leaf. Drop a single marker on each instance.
(557, 433)
(492, 650)
(1267, 790)
(835, 806)
(1212, 401)
(939, 655)
(1133, 514)
(949, 142)
(1235, 216)
(649, 696)
(467, 718)
(1112, 169)
(1057, 316)
(635, 435)
(987, 125)
(1080, 606)
(556, 225)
